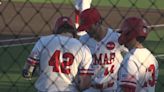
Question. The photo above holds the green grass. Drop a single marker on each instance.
(129, 3)
(120, 3)
(13, 82)
(47, 1)
(12, 61)
(155, 41)
(156, 34)
(155, 47)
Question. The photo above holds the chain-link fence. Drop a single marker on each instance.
(22, 22)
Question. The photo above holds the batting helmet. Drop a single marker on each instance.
(64, 24)
(133, 28)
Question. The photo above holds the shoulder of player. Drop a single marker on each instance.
(113, 32)
(84, 37)
(46, 37)
(85, 50)
(148, 54)
(138, 55)
(141, 51)
(130, 56)
(76, 41)
(52, 36)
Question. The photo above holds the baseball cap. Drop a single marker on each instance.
(88, 17)
(62, 21)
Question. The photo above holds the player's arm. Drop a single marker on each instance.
(128, 88)
(128, 81)
(28, 70)
(85, 69)
(85, 82)
(32, 61)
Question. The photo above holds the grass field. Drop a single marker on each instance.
(13, 58)
(120, 3)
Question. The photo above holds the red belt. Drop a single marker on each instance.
(102, 86)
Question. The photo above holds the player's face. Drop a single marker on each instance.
(93, 31)
(130, 44)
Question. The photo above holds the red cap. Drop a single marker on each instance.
(88, 17)
(63, 20)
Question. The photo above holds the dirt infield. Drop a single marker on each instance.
(38, 19)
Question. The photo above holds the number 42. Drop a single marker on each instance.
(59, 66)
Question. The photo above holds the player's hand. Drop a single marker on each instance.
(26, 74)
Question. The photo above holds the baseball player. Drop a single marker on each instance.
(60, 57)
(139, 71)
(105, 49)
(81, 5)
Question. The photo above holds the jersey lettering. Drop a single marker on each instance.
(107, 60)
(63, 66)
(151, 69)
(103, 59)
(107, 71)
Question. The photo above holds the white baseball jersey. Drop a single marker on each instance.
(140, 70)
(82, 4)
(59, 58)
(106, 58)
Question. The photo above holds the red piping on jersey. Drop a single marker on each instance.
(86, 69)
(129, 82)
(89, 74)
(129, 88)
(103, 86)
(32, 61)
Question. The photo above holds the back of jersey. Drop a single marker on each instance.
(140, 69)
(148, 71)
(60, 59)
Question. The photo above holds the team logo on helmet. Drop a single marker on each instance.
(110, 45)
(65, 19)
(144, 30)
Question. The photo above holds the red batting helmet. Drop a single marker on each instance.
(133, 28)
(62, 21)
(64, 24)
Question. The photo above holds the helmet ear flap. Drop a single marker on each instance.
(140, 39)
(63, 22)
(66, 28)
